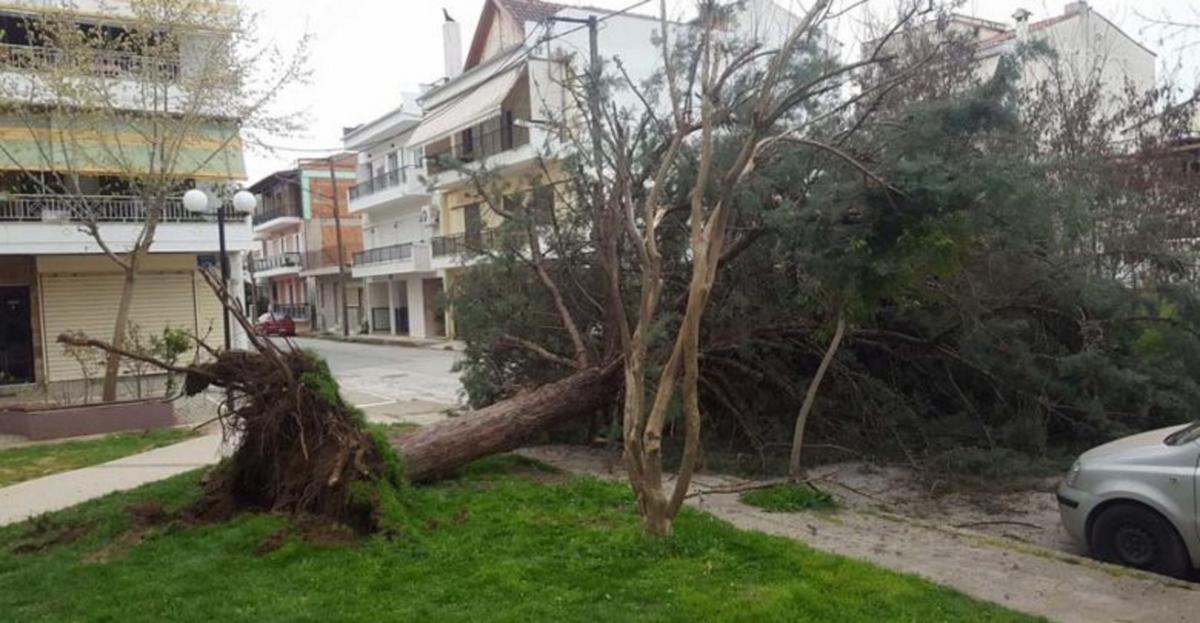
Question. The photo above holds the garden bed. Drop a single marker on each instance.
(38, 422)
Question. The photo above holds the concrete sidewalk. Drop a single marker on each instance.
(58, 491)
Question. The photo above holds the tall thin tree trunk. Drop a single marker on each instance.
(112, 365)
(796, 470)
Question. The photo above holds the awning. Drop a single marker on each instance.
(482, 102)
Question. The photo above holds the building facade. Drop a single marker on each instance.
(55, 277)
(399, 284)
(301, 219)
(500, 109)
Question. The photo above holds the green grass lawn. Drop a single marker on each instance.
(17, 464)
(790, 498)
(507, 541)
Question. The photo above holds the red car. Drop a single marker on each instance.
(274, 323)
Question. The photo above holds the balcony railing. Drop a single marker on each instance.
(494, 136)
(488, 140)
(459, 244)
(379, 255)
(283, 260)
(88, 208)
(270, 215)
(383, 181)
(295, 311)
(104, 63)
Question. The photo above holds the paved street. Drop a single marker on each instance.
(392, 383)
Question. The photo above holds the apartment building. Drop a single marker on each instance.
(1085, 48)
(399, 282)
(499, 108)
(297, 222)
(55, 277)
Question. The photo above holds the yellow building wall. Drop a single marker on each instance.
(525, 179)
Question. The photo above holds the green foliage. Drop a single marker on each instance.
(320, 379)
(790, 498)
(499, 544)
(1014, 285)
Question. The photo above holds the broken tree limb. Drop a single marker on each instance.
(436, 450)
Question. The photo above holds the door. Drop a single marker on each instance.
(473, 224)
(16, 336)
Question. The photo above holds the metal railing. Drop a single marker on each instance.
(489, 140)
(105, 63)
(380, 182)
(270, 215)
(295, 311)
(491, 137)
(390, 253)
(87, 208)
(283, 260)
(459, 244)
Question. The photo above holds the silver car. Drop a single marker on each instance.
(1133, 501)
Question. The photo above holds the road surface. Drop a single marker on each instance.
(392, 383)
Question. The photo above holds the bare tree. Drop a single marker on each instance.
(746, 100)
(145, 102)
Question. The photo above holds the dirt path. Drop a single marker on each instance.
(1016, 574)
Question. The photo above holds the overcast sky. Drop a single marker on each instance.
(365, 53)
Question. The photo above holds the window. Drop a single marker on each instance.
(466, 143)
(507, 123)
(395, 171)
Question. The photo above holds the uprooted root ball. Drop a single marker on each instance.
(299, 448)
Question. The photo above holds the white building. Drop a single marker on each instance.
(54, 278)
(496, 109)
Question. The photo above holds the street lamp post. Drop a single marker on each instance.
(196, 201)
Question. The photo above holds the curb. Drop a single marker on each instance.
(379, 341)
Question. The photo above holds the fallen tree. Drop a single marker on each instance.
(300, 449)
(436, 450)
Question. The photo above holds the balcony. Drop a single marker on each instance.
(391, 253)
(100, 63)
(277, 218)
(455, 245)
(400, 258)
(400, 187)
(35, 224)
(276, 265)
(87, 208)
(489, 138)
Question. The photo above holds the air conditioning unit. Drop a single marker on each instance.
(429, 216)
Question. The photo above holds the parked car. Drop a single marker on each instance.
(1133, 501)
(274, 323)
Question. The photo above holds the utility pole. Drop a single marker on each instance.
(593, 90)
(341, 260)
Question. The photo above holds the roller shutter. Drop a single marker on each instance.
(88, 303)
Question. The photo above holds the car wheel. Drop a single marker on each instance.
(1136, 536)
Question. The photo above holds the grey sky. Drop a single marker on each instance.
(365, 53)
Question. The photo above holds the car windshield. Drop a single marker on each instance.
(1185, 435)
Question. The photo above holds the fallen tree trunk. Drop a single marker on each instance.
(434, 451)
